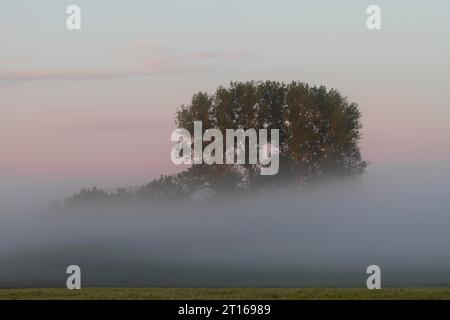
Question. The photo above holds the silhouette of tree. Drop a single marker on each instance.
(87, 196)
(166, 187)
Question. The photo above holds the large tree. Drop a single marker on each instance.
(319, 131)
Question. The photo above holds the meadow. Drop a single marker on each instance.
(226, 294)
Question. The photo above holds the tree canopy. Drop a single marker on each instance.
(319, 131)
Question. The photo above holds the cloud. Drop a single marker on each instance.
(219, 55)
(149, 67)
(75, 75)
(123, 125)
(200, 56)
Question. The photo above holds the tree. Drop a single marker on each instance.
(87, 196)
(319, 131)
(166, 187)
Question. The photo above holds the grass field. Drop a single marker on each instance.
(222, 293)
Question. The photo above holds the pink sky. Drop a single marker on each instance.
(98, 106)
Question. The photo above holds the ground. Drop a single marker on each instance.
(224, 293)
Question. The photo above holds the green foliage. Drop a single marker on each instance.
(319, 130)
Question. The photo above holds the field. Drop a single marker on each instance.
(223, 293)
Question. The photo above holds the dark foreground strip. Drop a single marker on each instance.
(257, 309)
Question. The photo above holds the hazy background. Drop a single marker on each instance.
(96, 107)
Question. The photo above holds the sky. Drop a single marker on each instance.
(97, 105)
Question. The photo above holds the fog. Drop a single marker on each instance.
(321, 235)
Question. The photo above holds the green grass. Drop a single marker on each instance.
(222, 293)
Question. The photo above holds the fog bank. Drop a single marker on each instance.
(320, 235)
